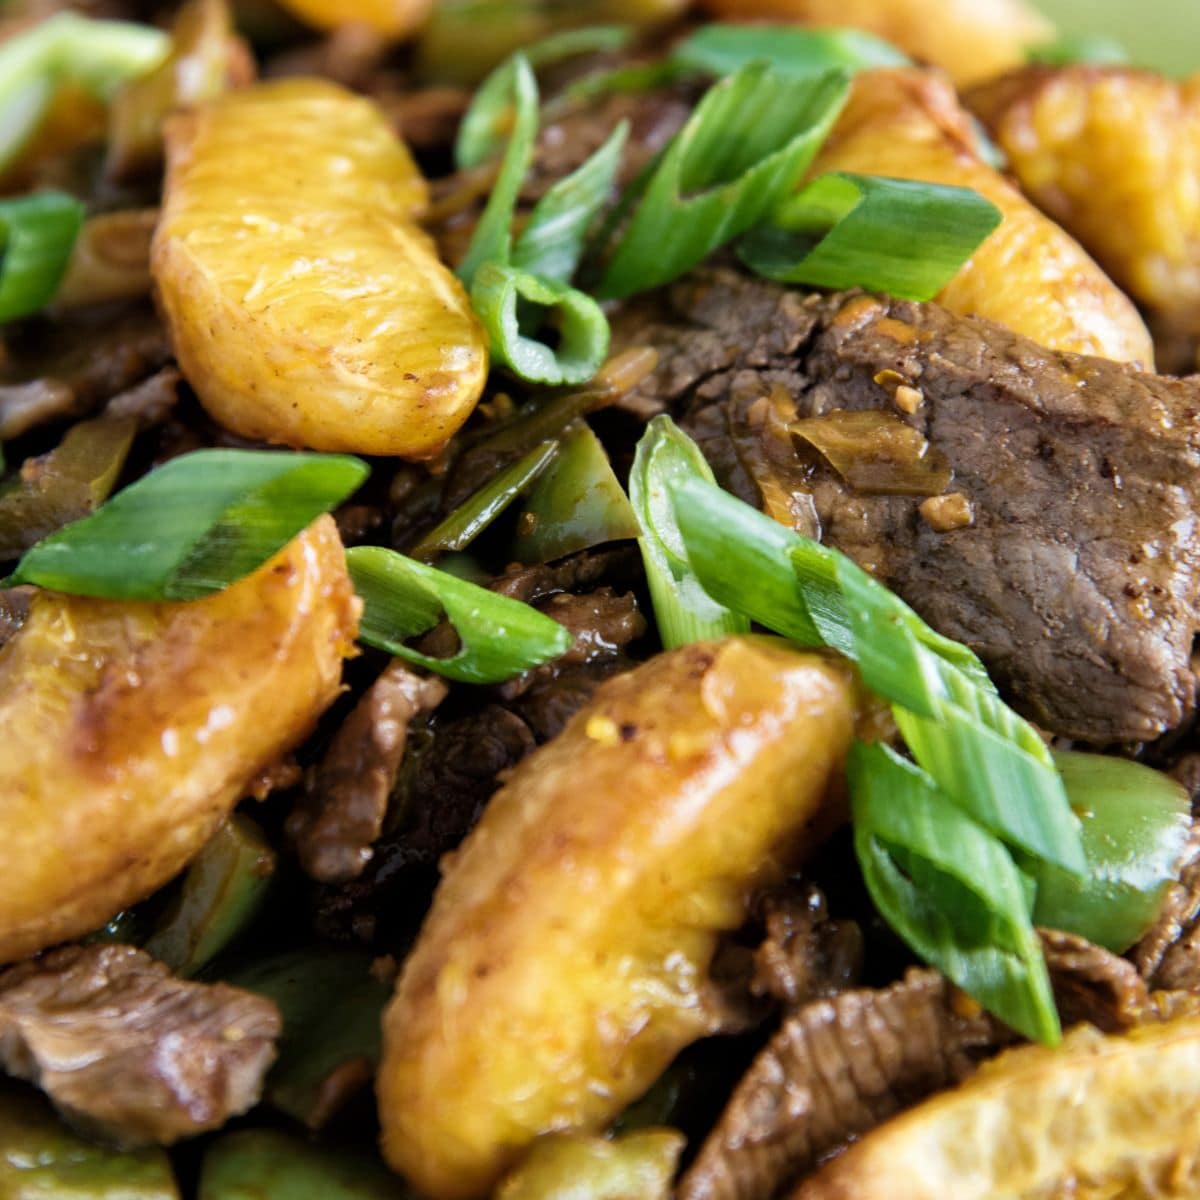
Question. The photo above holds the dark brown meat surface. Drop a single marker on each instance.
(1070, 562)
(1092, 984)
(337, 821)
(128, 1051)
(1169, 955)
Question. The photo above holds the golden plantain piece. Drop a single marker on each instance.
(392, 19)
(1029, 275)
(1113, 155)
(564, 962)
(304, 303)
(1098, 1118)
(970, 39)
(129, 730)
(571, 1166)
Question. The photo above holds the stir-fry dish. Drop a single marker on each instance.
(598, 603)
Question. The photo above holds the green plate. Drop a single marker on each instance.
(1158, 33)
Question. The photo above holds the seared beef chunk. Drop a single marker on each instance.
(126, 1050)
(1093, 984)
(1169, 955)
(806, 955)
(837, 1068)
(1072, 564)
(346, 796)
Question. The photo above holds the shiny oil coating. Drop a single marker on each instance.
(1097, 1118)
(1113, 154)
(129, 730)
(971, 39)
(1029, 275)
(305, 305)
(391, 18)
(564, 962)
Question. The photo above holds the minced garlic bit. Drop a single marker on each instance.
(604, 730)
(908, 399)
(944, 513)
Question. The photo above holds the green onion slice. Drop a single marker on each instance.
(577, 504)
(1071, 48)
(1136, 823)
(887, 235)
(949, 889)
(741, 153)
(721, 50)
(683, 610)
(499, 637)
(502, 296)
(193, 526)
(991, 761)
(479, 511)
(37, 234)
(489, 119)
(551, 244)
(99, 56)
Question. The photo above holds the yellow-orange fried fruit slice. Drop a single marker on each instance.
(129, 730)
(305, 304)
(1098, 1118)
(1029, 275)
(565, 961)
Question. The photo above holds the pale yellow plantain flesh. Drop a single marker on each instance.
(1098, 1118)
(1113, 154)
(128, 731)
(564, 962)
(304, 303)
(970, 39)
(392, 19)
(1029, 275)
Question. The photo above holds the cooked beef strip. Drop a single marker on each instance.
(1168, 957)
(1093, 984)
(836, 1068)
(341, 813)
(126, 1050)
(1077, 580)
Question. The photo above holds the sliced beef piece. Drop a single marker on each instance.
(126, 1050)
(341, 813)
(1065, 553)
(445, 782)
(837, 1068)
(14, 609)
(68, 368)
(806, 955)
(1168, 957)
(1092, 984)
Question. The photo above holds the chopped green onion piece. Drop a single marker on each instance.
(551, 244)
(887, 235)
(503, 295)
(1136, 823)
(949, 889)
(99, 56)
(486, 124)
(477, 512)
(575, 505)
(721, 50)
(192, 526)
(977, 749)
(683, 610)
(743, 150)
(499, 637)
(1080, 48)
(37, 234)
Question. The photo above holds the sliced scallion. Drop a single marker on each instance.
(683, 610)
(1080, 48)
(499, 637)
(741, 153)
(949, 889)
(192, 526)
(477, 512)
(899, 236)
(720, 50)
(37, 234)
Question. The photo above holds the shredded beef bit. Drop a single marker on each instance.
(126, 1050)
(345, 798)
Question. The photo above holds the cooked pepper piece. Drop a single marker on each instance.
(564, 963)
(1029, 275)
